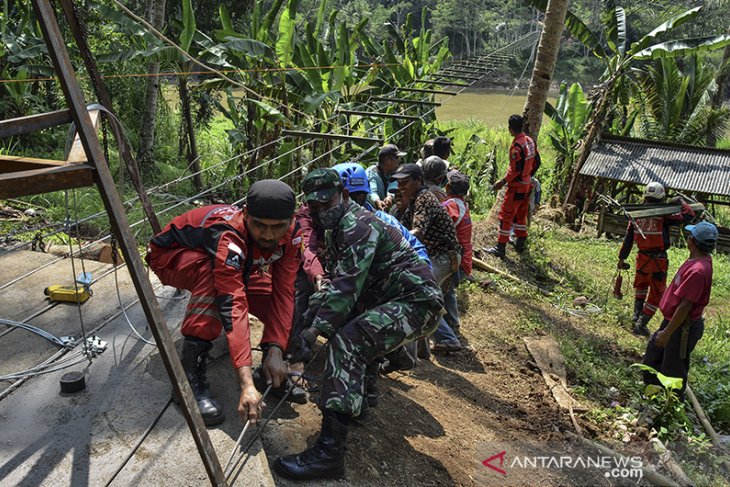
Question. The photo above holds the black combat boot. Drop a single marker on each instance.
(400, 359)
(638, 306)
(521, 245)
(499, 250)
(194, 359)
(640, 327)
(325, 459)
(372, 391)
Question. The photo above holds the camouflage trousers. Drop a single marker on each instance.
(368, 336)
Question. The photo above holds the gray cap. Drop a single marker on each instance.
(433, 168)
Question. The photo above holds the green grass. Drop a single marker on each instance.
(477, 162)
(587, 265)
(599, 348)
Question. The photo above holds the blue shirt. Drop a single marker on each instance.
(412, 241)
(378, 187)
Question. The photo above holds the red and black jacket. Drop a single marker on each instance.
(220, 232)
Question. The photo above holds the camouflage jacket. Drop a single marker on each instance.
(371, 264)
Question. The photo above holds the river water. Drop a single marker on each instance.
(492, 107)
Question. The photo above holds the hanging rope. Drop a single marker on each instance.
(73, 271)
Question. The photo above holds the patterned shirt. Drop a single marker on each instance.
(371, 264)
(435, 226)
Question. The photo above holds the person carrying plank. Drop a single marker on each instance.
(651, 235)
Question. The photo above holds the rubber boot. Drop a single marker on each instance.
(521, 245)
(194, 358)
(423, 349)
(325, 459)
(640, 327)
(399, 359)
(638, 306)
(499, 250)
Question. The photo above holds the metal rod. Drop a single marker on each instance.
(442, 83)
(377, 114)
(425, 90)
(319, 135)
(31, 123)
(406, 100)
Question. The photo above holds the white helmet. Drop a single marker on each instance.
(655, 191)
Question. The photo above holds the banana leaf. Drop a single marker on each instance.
(683, 47)
(186, 36)
(667, 26)
(287, 29)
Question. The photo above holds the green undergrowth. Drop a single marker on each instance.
(599, 348)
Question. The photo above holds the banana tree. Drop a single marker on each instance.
(23, 56)
(567, 119)
(676, 104)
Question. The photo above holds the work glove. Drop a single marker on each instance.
(301, 350)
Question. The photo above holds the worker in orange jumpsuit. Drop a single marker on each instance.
(524, 160)
(650, 280)
(220, 253)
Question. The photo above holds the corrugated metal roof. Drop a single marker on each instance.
(682, 167)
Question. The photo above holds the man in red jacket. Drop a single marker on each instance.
(524, 160)
(652, 240)
(220, 254)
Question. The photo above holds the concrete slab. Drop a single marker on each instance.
(50, 438)
(22, 349)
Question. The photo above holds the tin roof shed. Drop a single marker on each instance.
(676, 166)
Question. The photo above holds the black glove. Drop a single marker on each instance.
(301, 347)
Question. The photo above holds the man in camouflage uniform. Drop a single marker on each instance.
(375, 277)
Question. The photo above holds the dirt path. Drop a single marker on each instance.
(436, 424)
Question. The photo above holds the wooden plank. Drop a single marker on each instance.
(425, 90)
(31, 123)
(46, 18)
(318, 135)
(617, 224)
(77, 154)
(378, 114)
(45, 179)
(406, 100)
(10, 163)
(546, 352)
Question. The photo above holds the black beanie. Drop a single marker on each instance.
(272, 199)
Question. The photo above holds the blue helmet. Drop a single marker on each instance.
(353, 177)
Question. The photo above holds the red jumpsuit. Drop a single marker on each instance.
(650, 280)
(208, 251)
(524, 159)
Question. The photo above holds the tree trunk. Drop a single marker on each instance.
(155, 15)
(598, 121)
(193, 159)
(542, 73)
